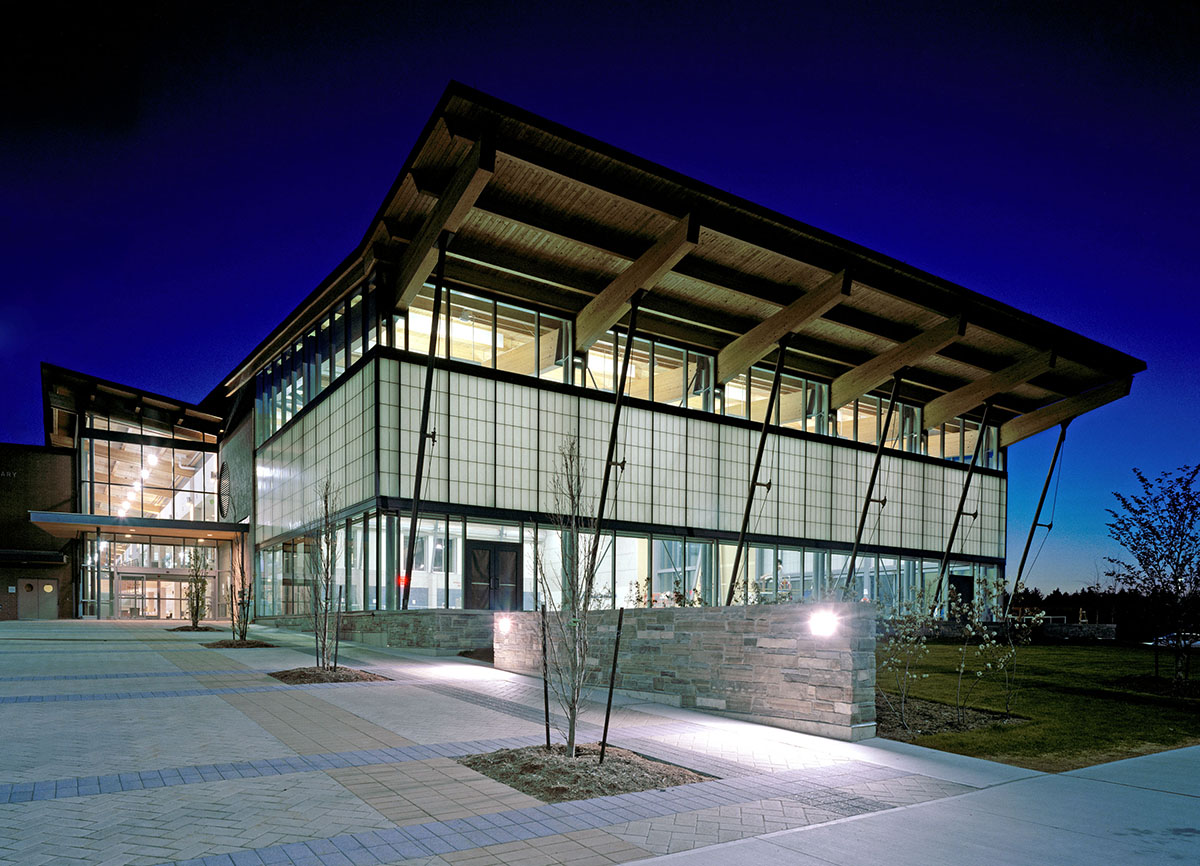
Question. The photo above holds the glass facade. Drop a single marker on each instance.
(133, 469)
(503, 336)
(495, 447)
(633, 570)
(127, 576)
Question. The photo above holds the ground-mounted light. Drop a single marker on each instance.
(504, 623)
(823, 623)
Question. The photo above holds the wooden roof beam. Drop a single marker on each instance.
(1024, 426)
(608, 307)
(452, 207)
(870, 375)
(966, 398)
(754, 345)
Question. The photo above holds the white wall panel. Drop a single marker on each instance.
(791, 492)
(334, 440)
(702, 473)
(734, 476)
(671, 482)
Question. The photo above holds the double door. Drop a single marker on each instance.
(493, 571)
(37, 598)
(146, 597)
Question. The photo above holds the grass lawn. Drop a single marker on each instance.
(1079, 713)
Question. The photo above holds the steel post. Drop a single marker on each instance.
(869, 498)
(962, 500)
(762, 444)
(439, 279)
(1037, 514)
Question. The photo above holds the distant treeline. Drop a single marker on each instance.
(1138, 617)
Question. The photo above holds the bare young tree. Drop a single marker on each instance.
(1160, 527)
(568, 586)
(241, 590)
(196, 588)
(321, 547)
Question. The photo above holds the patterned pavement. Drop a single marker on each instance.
(129, 744)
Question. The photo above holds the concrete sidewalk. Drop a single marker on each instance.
(129, 744)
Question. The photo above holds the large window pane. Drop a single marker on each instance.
(471, 321)
(554, 362)
(670, 375)
(760, 392)
(700, 382)
(356, 325)
(516, 337)
(596, 370)
(632, 571)
(735, 396)
(338, 344)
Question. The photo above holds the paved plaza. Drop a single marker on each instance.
(125, 743)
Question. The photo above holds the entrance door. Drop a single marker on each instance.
(37, 598)
(492, 575)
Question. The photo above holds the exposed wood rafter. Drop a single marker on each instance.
(1024, 426)
(608, 307)
(469, 179)
(759, 341)
(964, 399)
(870, 375)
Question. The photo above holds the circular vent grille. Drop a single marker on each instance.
(224, 492)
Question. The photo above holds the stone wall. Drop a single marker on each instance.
(761, 664)
(435, 632)
(1083, 631)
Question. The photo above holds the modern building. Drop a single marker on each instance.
(549, 259)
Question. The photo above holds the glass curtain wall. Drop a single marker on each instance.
(137, 470)
(128, 577)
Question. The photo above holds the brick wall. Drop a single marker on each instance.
(760, 663)
(436, 632)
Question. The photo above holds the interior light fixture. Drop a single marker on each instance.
(152, 460)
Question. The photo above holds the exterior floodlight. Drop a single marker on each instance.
(504, 624)
(823, 623)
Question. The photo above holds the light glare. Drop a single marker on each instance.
(823, 623)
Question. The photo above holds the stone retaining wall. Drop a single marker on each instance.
(761, 664)
(435, 632)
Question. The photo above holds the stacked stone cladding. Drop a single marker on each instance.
(758, 663)
(436, 632)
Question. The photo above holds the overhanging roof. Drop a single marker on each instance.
(546, 214)
(69, 392)
(63, 524)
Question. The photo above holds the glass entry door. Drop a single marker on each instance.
(131, 596)
(150, 597)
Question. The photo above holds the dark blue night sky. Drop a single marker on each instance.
(173, 185)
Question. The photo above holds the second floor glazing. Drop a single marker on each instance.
(499, 335)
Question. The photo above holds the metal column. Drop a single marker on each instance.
(868, 499)
(1037, 514)
(962, 500)
(762, 443)
(612, 432)
(443, 241)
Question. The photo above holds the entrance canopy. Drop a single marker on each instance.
(68, 525)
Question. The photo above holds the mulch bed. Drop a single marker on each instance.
(305, 676)
(238, 644)
(197, 628)
(930, 717)
(552, 777)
